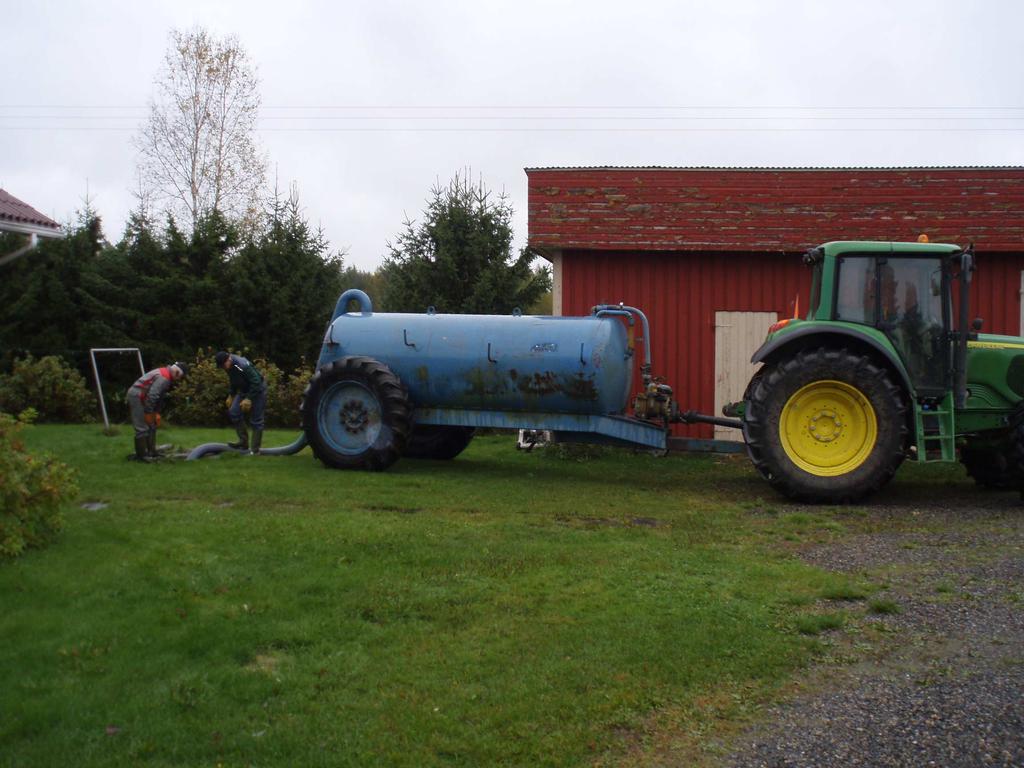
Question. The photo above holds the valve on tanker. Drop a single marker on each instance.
(655, 402)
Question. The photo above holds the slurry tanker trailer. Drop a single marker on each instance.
(389, 385)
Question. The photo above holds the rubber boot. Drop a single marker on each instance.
(140, 449)
(243, 437)
(257, 439)
(151, 445)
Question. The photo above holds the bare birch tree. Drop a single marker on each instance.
(198, 149)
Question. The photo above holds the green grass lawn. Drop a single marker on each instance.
(503, 608)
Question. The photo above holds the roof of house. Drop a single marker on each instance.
(772, 209)
(25, 218)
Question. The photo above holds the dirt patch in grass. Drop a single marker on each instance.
(268, 663)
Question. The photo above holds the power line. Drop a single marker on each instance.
(720, 107)
(480, 129)
(623, 118)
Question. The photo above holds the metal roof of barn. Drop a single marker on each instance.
(758, 168)
(786, 209)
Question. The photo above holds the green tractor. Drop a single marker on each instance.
(878, 372)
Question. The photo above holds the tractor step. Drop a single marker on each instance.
(936, 431)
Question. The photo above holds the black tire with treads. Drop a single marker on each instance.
(436, 441)
(378, 411)
(777, 382)
(988, 467)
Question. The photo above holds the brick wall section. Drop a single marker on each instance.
(770, 210)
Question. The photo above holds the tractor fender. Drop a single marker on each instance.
(835, 335)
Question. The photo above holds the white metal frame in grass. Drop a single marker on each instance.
(96, 374)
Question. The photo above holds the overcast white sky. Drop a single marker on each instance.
(417, 91)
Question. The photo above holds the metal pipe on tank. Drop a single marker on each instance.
(623, 311)
(352, 294)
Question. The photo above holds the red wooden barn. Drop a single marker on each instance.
(713, 255)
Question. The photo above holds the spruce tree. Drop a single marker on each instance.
(459, 258)
(44, 307)
(284, 286)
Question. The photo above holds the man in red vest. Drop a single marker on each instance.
(145, 400)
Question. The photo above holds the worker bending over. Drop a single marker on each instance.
(246, 384)
(146, 399)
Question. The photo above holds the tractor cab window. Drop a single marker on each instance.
(812, 309)
(855, 298)
(903, 297)
(910, 294)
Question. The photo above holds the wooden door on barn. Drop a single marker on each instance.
(737, 337)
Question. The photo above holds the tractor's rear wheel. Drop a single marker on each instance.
(356, 414)
(825, 426)
(430, 441)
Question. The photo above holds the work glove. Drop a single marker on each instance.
(246, 405)
(227, 403)
(153, 419)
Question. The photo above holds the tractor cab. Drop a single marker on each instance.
(899, 291)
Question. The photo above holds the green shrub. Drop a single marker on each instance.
(32, 488)
(50, 386)
(283, 403)
(198, 400)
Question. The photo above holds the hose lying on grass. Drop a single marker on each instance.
(211, 449)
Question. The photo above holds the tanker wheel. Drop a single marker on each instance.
(356, 414)
(825, 426)
(430, 441)
(988, 467)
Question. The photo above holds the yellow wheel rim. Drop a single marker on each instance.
(828, 428)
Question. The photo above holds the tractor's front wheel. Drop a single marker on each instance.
(989, 467)
(1016, 470)
(825, 426)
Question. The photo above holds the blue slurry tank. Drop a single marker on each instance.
(389, 385)
(487, 362)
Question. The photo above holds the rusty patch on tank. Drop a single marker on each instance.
(545, 383)
(581, 387)
(423, 373)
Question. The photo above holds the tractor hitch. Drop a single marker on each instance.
(692, 417)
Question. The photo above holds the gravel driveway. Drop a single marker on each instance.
(945, 685)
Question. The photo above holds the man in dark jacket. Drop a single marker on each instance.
(146, 399)
(246, 384)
